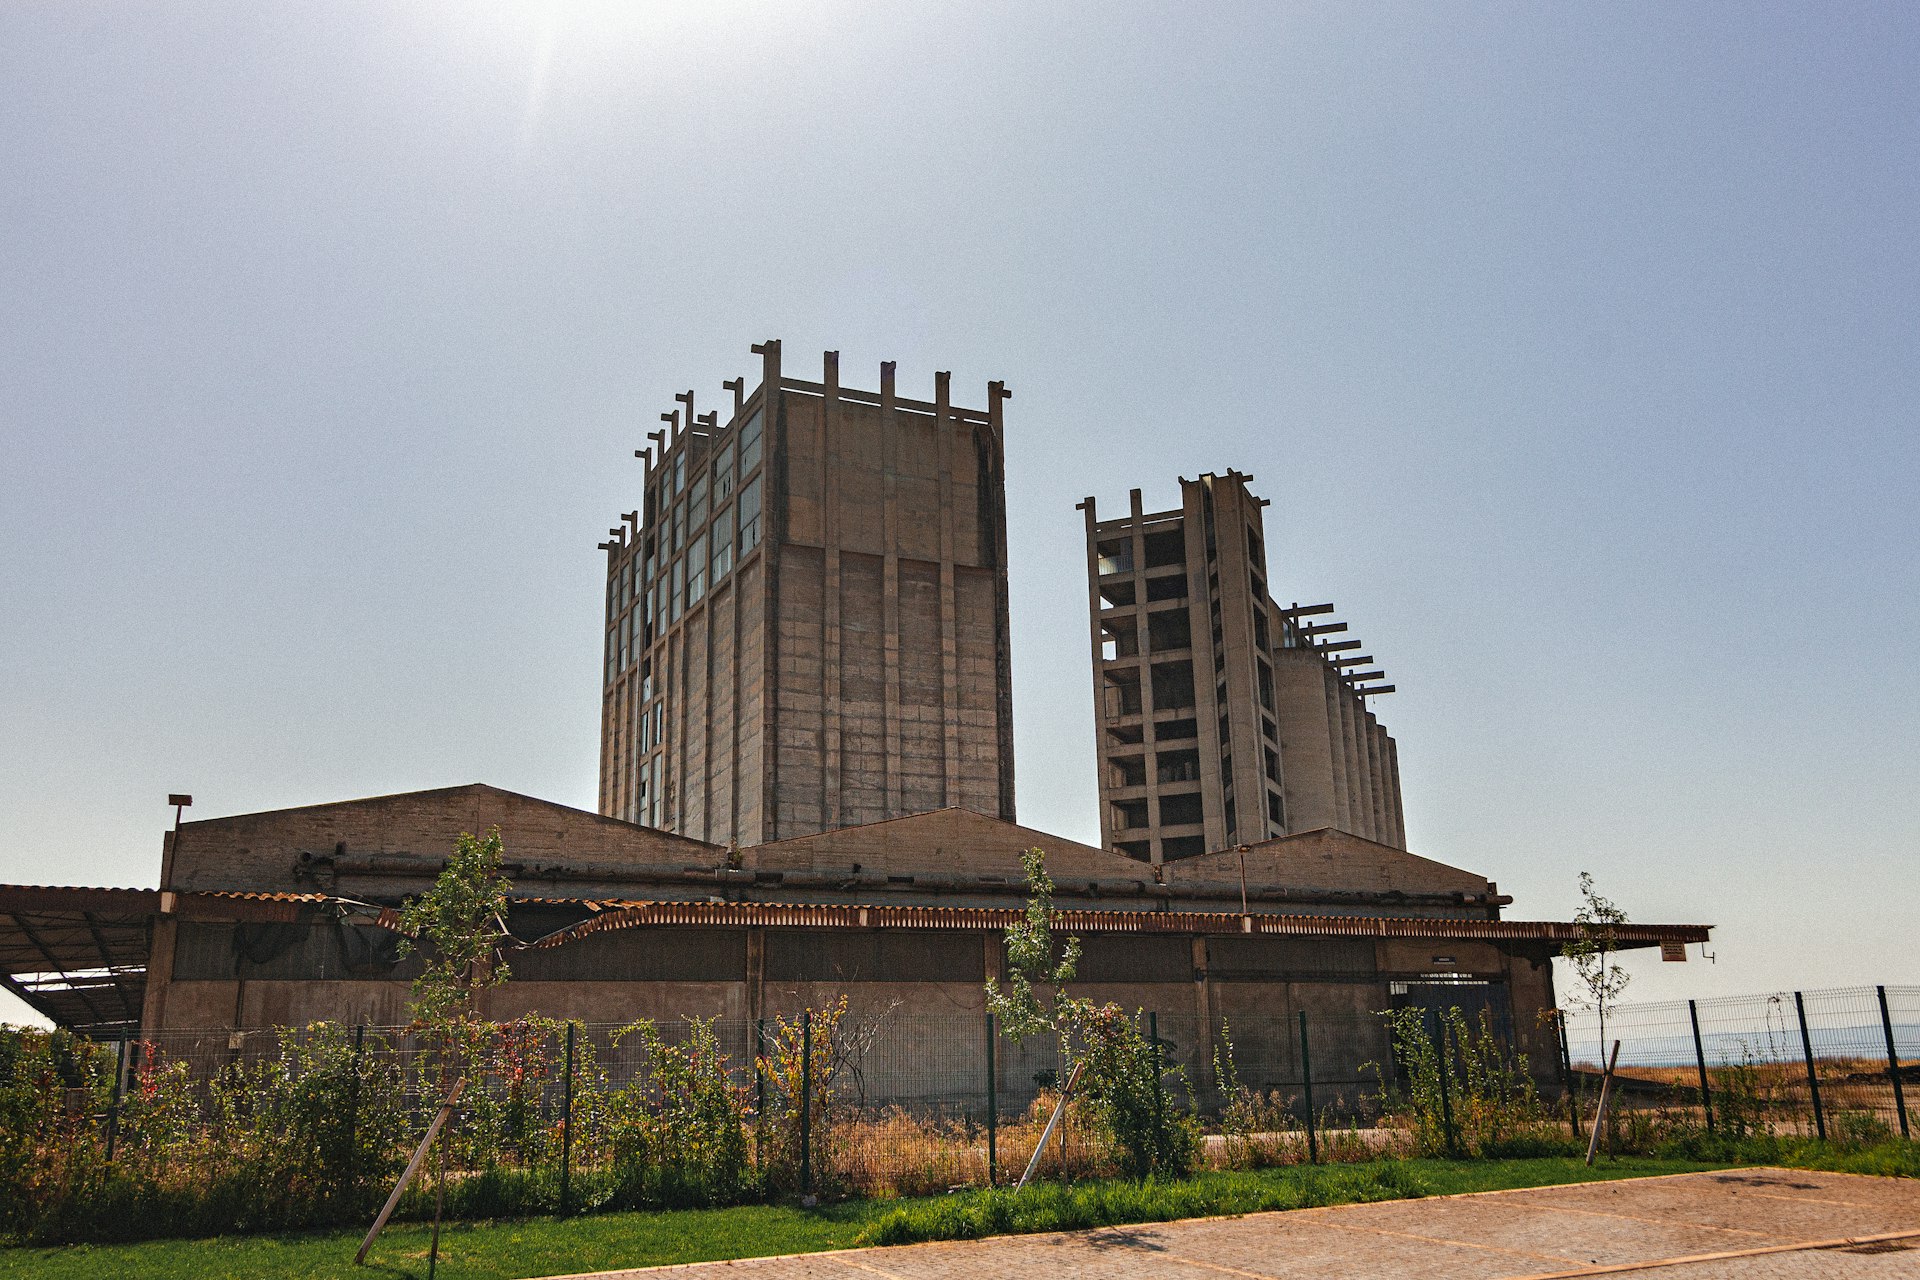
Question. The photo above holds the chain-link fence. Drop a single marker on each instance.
(1843, 1062)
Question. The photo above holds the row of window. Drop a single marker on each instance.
(694, 535)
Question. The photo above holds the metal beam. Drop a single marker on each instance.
(55, 966)
(1322, 628)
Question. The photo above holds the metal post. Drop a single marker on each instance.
(806, 1101)
(1893, 1065)
(1440, 1056)
(1159, 1086)
(993, 1112)
(566, 1128)
(353, 1103)
(1700, 1059)
(119, 1091)
(1566, 1074)
(1306, 1076)
(759, 1075)
(1813, 1077)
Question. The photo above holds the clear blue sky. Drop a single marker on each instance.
(1575, 345)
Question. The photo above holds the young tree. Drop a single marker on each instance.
(460, 921)
(1124, 1071)
(1602, 979)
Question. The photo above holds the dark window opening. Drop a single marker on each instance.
(1176, 847)
(1130, 815)
(1119, 638)
(1275, 814)
(1165, 548)
(1169, 629)
(1177, 766)
(1171, 587)
(1126, 734)
(1170, 730)
(1129, 772)
(1116, 555)
(1115, 594)
(1180, 811)
(1172, 685)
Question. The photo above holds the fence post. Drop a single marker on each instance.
(806, 1101)
(1700, 1060)
(1893, 1065)
(759, 1076)
(119, 1090)
(993, 1111)
(1306, 1076)
(1440, 1056)
(1159, 1070)
(1813, 1077)
(1566, 1073)
(566, 1127)
(353, 1103)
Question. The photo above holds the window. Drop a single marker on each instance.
(1178, 847)
(675, 592)
(1119, 638)
(722, 544)
(1116, 556)
(749, 514)
(1130, 772)
(679, 472)
(696, 570)
(1123, 692)
(723, 475)
(750, 443)
(1129, 815)
(1173, 730)
(697, 502)
(1171, 587)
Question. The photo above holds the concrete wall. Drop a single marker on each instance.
(286, 849)
(929, 1045)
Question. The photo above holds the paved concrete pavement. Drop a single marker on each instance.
(1751, 1224)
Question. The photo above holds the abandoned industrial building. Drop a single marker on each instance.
(806, 785)
(1221, 717)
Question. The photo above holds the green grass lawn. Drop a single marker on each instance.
(546, 1246)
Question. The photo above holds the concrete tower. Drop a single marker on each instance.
(1222, 718)
(807, 615)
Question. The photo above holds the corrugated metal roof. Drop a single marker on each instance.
(795, 915)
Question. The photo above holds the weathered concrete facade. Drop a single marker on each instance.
(1222, 719)
(275, 919)
(807, 615)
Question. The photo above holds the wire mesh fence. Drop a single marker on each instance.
(1842, 1061)
(304, 1125)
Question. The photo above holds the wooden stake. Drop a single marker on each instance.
(1606, 1093)
(1040, 1147)
(413, 1167)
